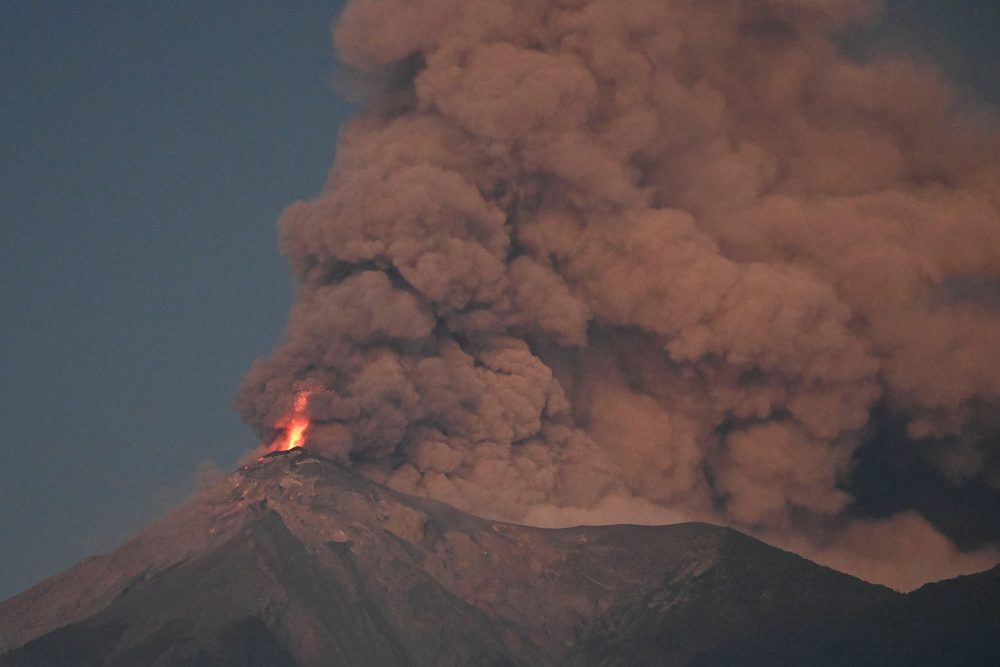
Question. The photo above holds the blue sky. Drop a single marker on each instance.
(147, 149)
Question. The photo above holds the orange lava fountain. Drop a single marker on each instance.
(295, 426)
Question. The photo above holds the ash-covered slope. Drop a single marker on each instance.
(298, 561)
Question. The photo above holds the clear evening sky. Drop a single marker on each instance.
(147, 149)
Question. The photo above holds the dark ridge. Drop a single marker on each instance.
(76, 645)
(322, 566)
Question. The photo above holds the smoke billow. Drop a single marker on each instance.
(619, 260)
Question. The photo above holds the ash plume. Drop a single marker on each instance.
(620, 260)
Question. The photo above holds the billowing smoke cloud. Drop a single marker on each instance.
(664, 255)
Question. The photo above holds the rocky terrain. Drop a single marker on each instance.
(296, 560)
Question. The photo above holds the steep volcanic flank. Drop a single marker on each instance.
(297, 561)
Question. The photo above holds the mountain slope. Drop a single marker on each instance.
(298, 561)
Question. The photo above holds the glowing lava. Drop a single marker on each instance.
(295, 427)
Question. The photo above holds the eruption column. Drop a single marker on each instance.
(629, 258)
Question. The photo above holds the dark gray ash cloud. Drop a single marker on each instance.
(625, 260)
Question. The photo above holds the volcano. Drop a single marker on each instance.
(297, 560)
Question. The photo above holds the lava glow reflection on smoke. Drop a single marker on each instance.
(294, 434)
